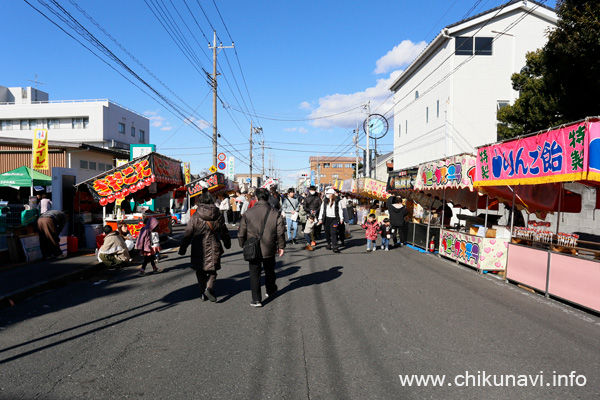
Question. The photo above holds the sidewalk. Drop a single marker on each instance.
(19, 281)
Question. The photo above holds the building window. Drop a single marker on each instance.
(32, 123)
(326, 165)
(142, 136)
(416, 94)
(437, 113)
(348, 165)
(5, 125)
(77, 123)
(501, 104)
(426, 115)
(53, 123)
(121, 128)
(86, 122)
(399, 129)
(92, 165)
(132, 131)
(24, 124)
(463, 46)
(337, 165)
(483, 46)
(323, 176)
(83, 164)
(406, 128)
(334, 176)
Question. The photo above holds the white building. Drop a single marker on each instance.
(446, 101)
(101, 123)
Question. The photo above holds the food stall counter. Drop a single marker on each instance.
(136, 222)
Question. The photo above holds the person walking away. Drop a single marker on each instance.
(342, 228)
(205, 232)
(290, 206)
(233, 208)
(309, 232)
(331, 216)
(312, 205)
(397, 212)
(272, 242)
(45, 204)
(275, 198)
(239, 201)
(144, 245)
(350, 209)
(386, 233)
(50, 224)
(113, 253)
(372, 228)
(224, 206)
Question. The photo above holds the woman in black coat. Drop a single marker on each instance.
(204, 232)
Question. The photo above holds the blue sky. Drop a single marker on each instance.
(299, 60)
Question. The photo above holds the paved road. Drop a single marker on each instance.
(342, 327)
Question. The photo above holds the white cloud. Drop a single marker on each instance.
(296, 129)
(202, 124)
(381, 101)
(166, 128)
(305, 105)
(155, 120)
(399, 56)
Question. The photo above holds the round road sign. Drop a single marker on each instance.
(221, 165)
(221, 157)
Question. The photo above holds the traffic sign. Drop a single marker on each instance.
(222, 165)
(213, 169)
(221, 157)
(248, 180)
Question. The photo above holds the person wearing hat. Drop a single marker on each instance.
(331, 216)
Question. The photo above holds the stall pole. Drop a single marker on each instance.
(512, 219)
(103, 216)
(429, 224)
(442, 221)
(560, 196)
(487, 205)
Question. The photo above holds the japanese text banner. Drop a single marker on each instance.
(570, 153)
(40, 149)
(456, 172)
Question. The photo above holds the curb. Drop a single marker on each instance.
(9, 299)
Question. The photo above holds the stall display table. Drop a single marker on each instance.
(484, 254)
(571, 278)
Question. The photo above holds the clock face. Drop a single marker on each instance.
(377, 126)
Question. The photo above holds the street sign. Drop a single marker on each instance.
(221, 157)
(248, 180)
(213, 169)
(221, 165)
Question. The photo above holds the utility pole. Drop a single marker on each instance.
(262, 145)
(214, 48)
(319, 171)
(368, 160)
(256, 130)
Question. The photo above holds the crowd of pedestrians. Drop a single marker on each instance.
(266, 219)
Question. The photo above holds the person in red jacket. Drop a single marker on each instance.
(372, 231)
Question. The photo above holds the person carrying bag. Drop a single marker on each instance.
(261, 235)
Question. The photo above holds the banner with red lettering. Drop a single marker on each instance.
(569, 153)
(135, 176)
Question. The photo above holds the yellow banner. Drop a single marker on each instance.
(187, 172)
(40, 149)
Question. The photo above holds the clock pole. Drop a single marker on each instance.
(368, 158)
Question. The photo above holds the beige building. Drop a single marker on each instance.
(332, 168)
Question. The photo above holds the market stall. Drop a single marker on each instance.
(370, 193)
(475, 241)
(536, 167)
(141, 179)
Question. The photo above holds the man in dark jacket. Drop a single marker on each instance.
(312, 205)
(398, 214)
(271, 243)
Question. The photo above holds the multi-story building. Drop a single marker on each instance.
(100, 123)
(446, 101)
(332, 168)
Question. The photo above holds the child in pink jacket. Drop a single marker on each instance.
(372, 231)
